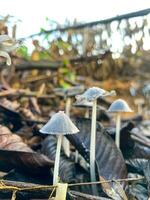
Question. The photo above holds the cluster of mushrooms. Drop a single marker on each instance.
(60, 124)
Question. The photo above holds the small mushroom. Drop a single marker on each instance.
(60, 124)
(85, 105)
(7, 45)
(139, 102)
(67, 94)
(146, 92)
(119, 106)
(91, 95)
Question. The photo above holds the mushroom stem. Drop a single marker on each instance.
(139, 109)
(92, 145)
(76, 156)
(87, 113)
(57, 159)
(66, 144)
(68, 106)
(148, 97)
(117, 138)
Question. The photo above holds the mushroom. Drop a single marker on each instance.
(146, 92)
(60, 124)
(67, 94)
(119, 106)
(91, 95)
(7, 45)
(85, 105)
(139, 102)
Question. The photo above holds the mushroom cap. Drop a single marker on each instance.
(119, 105)
(139, 101)
(93, 93)
(59, 124)
(72, 91)
(83, 104)
(146, 89)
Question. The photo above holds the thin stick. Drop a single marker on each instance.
(50, 196)
(107, 181)
(47, 187)
(14, 195)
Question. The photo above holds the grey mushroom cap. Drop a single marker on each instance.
(83, 104)
(119, 106)
(59, 124)
(139, 101)
(146, 89)
(94, 93)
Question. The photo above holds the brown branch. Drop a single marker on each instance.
(91, 24)
(24, 93)
(49, 65)
(11, 185)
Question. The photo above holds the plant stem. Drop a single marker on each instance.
(76, 156)
(66, 144)
(92, 145)
(57, 159)
(87, 113)
(139, 109)
(68, 106)
(117, 138)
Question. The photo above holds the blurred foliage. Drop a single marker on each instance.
(127, 41)
(23, 52)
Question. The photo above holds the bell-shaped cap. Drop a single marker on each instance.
(119, 106)
(146, 90)
(59, 124)
(139, 101)
(93, 93)
(72, 91)
(83, 104)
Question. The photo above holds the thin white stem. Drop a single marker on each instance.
(76, 156)
(139, 109)
(68, 106)
(148, 101)
(57, 159)
(66, 144)
(92, 145)
(117, 137)
(87, 113)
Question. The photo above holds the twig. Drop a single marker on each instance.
(38, 78)
(91, 24)
(24, 93)
(141, 139)
(53, 66)
(10, 185)
(107, 181)
(14, 195)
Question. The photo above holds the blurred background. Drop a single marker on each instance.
(95, 43)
